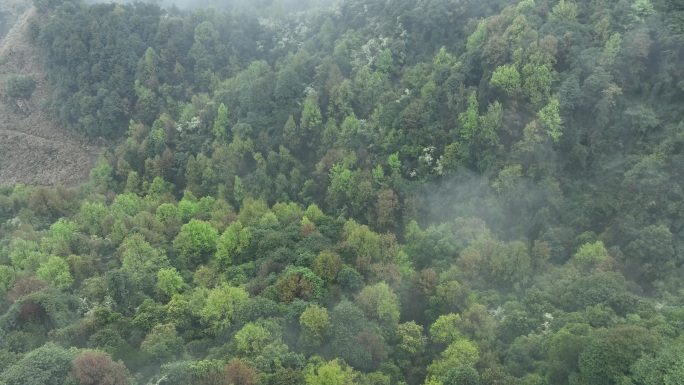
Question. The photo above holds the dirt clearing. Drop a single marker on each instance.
(33, 149)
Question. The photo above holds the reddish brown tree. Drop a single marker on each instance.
(98, 368)
(239, 373)
(25, 286)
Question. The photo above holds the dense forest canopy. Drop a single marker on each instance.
(374, 192)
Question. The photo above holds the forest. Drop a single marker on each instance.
(371, 192)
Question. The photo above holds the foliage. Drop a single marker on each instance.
(46, 365)
(95, 367)
(19, 87)
(221, 306)
(432, 192)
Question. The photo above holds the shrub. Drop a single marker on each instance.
(20, 87)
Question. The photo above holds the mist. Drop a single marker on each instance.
(263, 7)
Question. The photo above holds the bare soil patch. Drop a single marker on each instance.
(33, 149)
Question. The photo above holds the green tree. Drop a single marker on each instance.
(461, 375)
(196, 241)
(652, 244)
(311, 115)
(538, 75)
(252, 339)
(641, 9)
(234, 240)
(19, 87)
(460, 352)
(608, 357)
(221, 124)
(564, 11)
(141, 260)
(563, 349)
(665, 367)
(328, 265)
(238, 190)
(46, 365)
(331, 373)
(90, 217)
(291, 134)
(220, 307)
(470, 118)
(379, 301)
(169, 282)
(590, 255)
(315, 320)
(507, 78)
(445, 329)
(549, 115)
(162, 343)
(412, 340)
(56, 272)
(384, 62)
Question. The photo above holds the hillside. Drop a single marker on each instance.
(374, 192)
(34, 149)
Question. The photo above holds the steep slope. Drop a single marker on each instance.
(33, 149)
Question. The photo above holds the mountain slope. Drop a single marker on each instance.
(33, 149)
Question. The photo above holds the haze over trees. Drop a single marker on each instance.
(376, 192)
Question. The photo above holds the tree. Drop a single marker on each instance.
(590, 255)
(564, 11)
(169, 282)
(384, 62)
(239, 373)
(56, 272)
(101, 176)
(469, 119)
(328, 265)
(196, 241)
(445, 329)
(563, 350)
(90, 217)
(46, 365)
(301, 283)
(315, 320)
(234, 240)
(221, 124)
(141, 261)
(461, 375)
(287, 376)
(19, 87)
(7, 278)
(641, 9)
(412, 340)
(221, 306)
(311, 115)
(538, 75)
(252, 339)
(608, 357)
(459, 352)
(507, 78)
(380, 302)
(162, 343)
(652, 244)
(387, 208)
(347, 322)
(665, 367)
(291, 134)
(98, 368)
(331, 373)
(552, 121)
